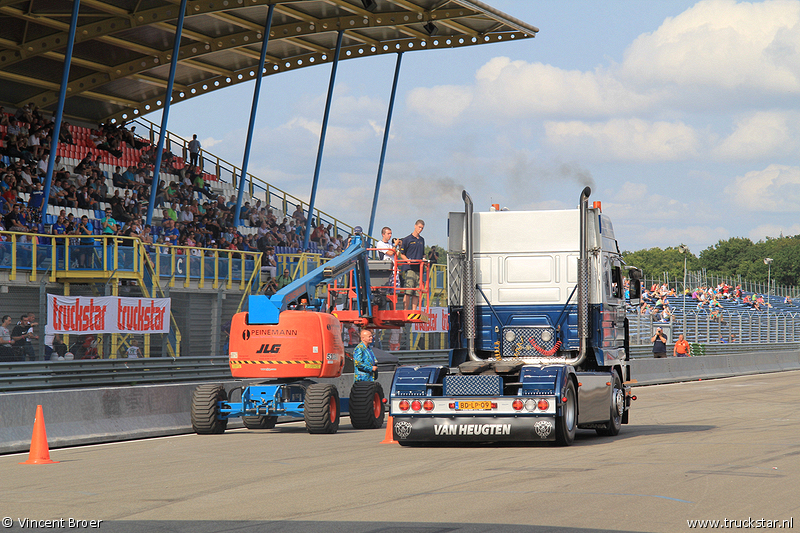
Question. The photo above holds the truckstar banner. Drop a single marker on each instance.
(106, 314)
(439, 322)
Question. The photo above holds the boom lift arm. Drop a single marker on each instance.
(267, 309)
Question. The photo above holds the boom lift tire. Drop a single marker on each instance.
(205, 409)
(567, 422)
(367, 409)
(617, 409)
(259, 422)
(321, 409)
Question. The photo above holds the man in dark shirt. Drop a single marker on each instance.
(412, 249)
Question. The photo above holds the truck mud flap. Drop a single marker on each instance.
(473, 429)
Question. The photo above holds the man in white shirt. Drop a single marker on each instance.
(385, 246)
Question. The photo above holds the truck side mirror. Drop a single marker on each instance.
(635, 291)
(635, 285)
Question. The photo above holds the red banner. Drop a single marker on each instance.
(106, 314)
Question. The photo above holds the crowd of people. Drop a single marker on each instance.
(655, 301)
(192, 214)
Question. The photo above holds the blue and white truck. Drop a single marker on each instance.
(538, 334)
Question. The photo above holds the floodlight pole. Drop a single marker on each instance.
(385, 142)
(768, 261)
(165, 112)
(253, 109)
(322, 139)
(683, 249)
(62, 96)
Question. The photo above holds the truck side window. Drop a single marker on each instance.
(616, 282)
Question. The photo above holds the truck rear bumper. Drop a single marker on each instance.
(409, 429)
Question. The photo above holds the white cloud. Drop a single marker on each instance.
(441, 104)
(744, 50)
(773, 230)
(761, 134)
(721, 44)
(774, 189)
(627, 139)
(208, 142)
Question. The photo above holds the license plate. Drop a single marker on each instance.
(473, 406)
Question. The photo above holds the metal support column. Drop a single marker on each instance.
(385, 142)
(253, 109)
(322, 139)
(62, 96)
(165, 112)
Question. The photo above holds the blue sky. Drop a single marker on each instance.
(682, 116)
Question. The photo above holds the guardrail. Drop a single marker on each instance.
(109, 372)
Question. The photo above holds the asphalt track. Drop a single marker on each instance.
(719, 449)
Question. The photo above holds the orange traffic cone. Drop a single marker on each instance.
(40, 452)
(389, 439)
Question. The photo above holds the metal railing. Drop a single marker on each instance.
(731, 327)
(62, 257)
(27, 376)
(110, 372)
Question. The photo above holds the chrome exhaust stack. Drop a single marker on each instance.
(469, 280)
(583, 281)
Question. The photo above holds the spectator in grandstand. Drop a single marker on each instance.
(284, 279)
(788, 301)
(108, 225)
(716, 315)
(299, 216)
(186, 216)
(13, 220)
(194, 151)
(682, 348)
(659, 341)
(170, 233)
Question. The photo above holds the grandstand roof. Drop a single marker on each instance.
(120, 63)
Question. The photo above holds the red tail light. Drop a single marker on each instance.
(517, 405)
(543, 405)
(428, 405)
(416, 405)
(404, 405)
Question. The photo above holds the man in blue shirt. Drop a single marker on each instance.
(364, 362)
(412, 249)
(87, 244)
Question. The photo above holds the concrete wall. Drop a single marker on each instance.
(109, 414)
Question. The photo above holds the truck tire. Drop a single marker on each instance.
(205, 409)
(321, 409)
(567, 422)
(366, 405)
(259, 422)
(617, 410)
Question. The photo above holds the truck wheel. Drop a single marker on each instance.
(205, 409)
(259, 422)
(366, 405)
(568, 421)
(617, 410)
(321, 409)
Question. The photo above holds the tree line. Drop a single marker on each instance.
(737, 256)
